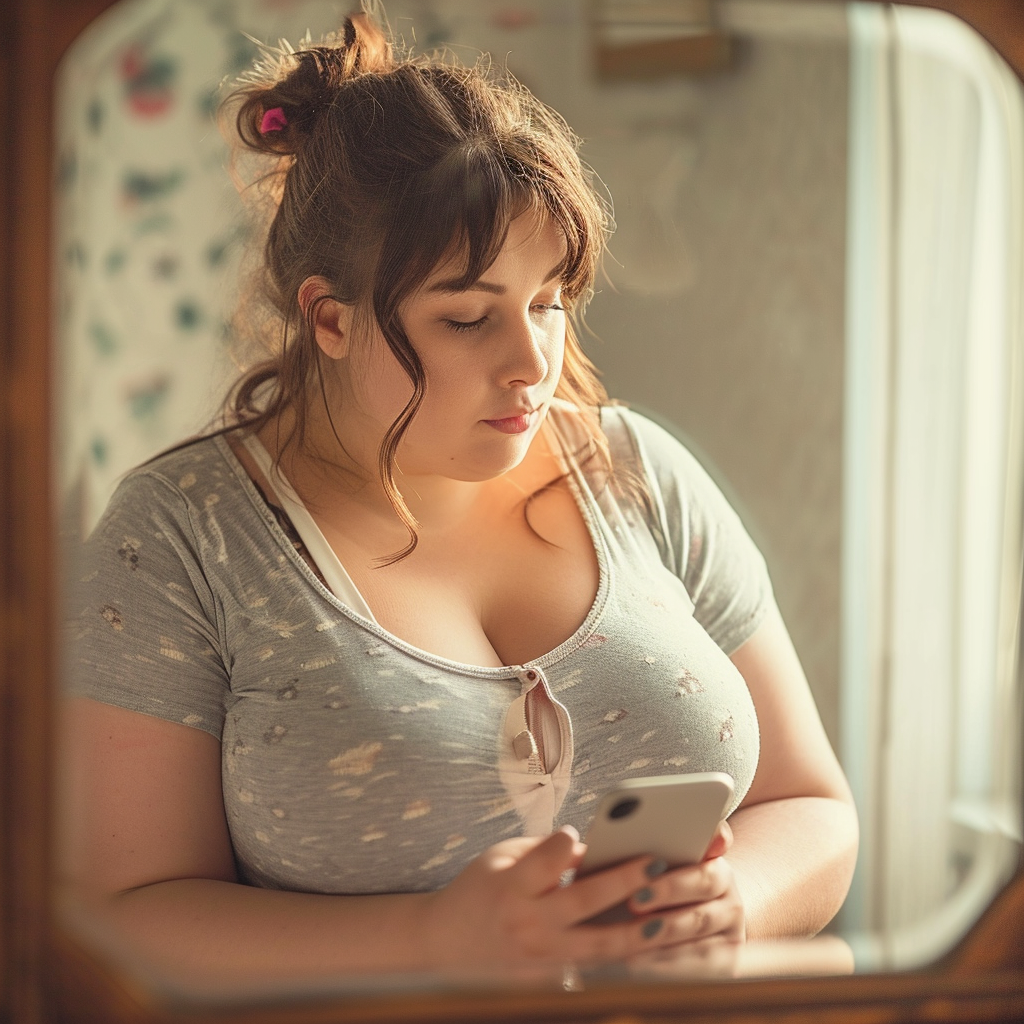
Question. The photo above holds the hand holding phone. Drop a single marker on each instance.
(669, 817)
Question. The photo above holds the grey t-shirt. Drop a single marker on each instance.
(356, 763)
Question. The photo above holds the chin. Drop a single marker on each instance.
(479, 474)
(489, 466)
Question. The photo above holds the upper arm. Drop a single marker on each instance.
(139, 735)
(141, 800)
(796, 757)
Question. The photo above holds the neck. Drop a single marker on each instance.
(329, 473)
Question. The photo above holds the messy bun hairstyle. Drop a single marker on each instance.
(386, 166)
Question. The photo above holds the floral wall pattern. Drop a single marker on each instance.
(150, 229)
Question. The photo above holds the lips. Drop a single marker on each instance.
(517, 424)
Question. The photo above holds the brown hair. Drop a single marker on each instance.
(388, 165)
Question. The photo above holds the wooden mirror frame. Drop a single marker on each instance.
(47, 975)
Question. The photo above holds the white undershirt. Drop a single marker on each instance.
(338, 580)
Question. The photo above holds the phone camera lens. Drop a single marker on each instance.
(624, 808)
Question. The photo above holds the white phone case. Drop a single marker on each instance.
(670, 817)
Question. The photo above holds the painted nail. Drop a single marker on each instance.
(655, 868)
(645, 895)
(651, 928)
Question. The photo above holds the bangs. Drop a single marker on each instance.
(459, 213)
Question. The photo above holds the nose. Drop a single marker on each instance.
(525, 361)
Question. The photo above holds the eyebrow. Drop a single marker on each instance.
(453, 285)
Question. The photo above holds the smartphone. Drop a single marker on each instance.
(671, 817)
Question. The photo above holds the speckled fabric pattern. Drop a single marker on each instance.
(356, 763)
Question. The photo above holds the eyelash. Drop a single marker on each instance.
(463, 327)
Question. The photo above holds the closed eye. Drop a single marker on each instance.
(461, 326)
(465, 326)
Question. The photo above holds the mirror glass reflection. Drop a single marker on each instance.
(814, 281)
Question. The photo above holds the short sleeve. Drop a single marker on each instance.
(701, 538)
(143, 621)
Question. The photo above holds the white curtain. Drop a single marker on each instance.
(933, 476)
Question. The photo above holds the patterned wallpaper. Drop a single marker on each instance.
(150, 228)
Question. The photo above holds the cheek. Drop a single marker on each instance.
(556, 356)
(454, 376)
(379, 385)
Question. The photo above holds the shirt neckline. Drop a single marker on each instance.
(585, 502)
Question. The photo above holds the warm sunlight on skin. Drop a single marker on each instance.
(492, 357)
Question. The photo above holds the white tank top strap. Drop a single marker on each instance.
(338, 580)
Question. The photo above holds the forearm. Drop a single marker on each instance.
(793, 860)
(202, 928)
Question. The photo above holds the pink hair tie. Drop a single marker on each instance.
(273, 121)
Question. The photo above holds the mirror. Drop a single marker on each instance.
(660, 140)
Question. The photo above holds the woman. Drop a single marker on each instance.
(353, 672)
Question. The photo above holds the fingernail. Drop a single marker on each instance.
(655, 868)
(651, 928)
(645, 895)
(571, 832)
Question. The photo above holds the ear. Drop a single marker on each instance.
(332, 325)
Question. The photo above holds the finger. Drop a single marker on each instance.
(698, 883)
(540, 869)
(721, 918)
(591, 895)
(721, 842)
(598, 943)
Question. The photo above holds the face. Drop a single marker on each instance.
(492, 357)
